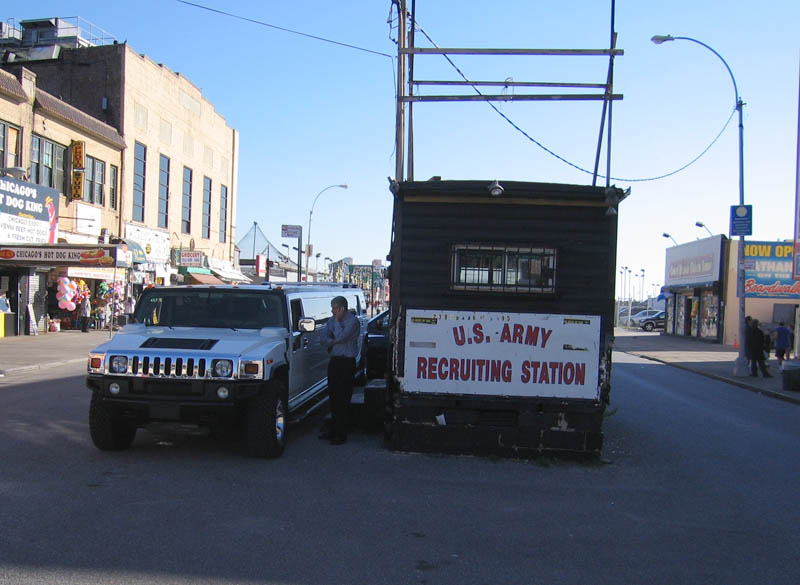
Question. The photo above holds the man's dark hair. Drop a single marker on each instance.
(340, 302)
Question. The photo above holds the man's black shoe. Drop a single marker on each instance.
(325, 435)
(767, 375)
(338, 440)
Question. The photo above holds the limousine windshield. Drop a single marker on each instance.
(216, 308)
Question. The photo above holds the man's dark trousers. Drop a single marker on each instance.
(341, 373)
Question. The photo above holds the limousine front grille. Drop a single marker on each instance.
(161, 366)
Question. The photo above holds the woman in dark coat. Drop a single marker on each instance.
(755, 350)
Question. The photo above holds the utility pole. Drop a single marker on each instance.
(400, 125)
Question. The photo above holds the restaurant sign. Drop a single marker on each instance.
(28, 212)
(771, 275)
(62, 254)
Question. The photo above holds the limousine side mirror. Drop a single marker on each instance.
(307, 325)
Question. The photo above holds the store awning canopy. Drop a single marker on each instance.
(200, 278)
(137, 253)
(230, 275)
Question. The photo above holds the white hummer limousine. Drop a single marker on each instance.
(216, 356)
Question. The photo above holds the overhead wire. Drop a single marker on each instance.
(284, 29)
(465, 78)
(392, 58)
(561, 158)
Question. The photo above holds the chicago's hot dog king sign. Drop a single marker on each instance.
(66, 255)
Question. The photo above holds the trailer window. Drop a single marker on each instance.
(503, 268)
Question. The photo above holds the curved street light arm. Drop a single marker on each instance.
(310, 213)
(741, 364)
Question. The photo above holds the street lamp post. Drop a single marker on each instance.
(666, 235)
(641, 288)
(741, 366)
(310, 213)
(700, 224)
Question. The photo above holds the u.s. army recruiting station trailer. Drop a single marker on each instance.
(502, 317)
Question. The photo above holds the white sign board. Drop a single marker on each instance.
(502, 354)
(291, 231)
(192, 258)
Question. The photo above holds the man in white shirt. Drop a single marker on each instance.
(341, 337)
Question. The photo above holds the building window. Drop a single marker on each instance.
(223, 213)
(9, 145)
(94, 179)
(36, 150)
(206, 208)
(483, 267)
(186, 204)
(48, 164)
(163, 192)
(139, 168)
(113, 181)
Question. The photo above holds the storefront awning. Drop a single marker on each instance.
(200, 278)
(137, 253)
(230, 275)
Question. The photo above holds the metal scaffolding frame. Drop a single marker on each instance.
(406, 84)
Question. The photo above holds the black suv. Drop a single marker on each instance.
(656, 321)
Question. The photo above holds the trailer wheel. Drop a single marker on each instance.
(108, 432)
(266, 421)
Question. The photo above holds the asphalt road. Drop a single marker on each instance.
(700, 486)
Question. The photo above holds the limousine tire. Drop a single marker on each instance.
(266, 422)
(108, 432)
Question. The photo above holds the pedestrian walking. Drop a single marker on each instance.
(341, 338)
(756, 346)
(781, 336)
(85, 313)
(128, 308)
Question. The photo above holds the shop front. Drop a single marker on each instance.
(693, 288)
(56, 279)
(28, 215)
(771, 294)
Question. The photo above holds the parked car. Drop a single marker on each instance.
(656, 321)
(376, 345)
(637, 319)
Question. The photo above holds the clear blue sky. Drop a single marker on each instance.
(312, 114)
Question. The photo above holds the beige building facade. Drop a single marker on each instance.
(180, 162)
(159, 174)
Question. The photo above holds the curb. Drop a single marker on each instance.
(41, 366)
(731, 381)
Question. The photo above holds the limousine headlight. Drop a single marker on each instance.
(118, 364)
(222, 368)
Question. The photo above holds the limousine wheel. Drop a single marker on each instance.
(108, 433)
(266, 421)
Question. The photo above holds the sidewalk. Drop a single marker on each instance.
(708, 359)
(712, 360)
(31, 352)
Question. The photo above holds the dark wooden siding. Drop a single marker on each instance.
(583, 235)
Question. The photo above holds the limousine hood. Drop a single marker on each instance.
(195, 341)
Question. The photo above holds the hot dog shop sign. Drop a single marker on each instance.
(59, 255)
(502, 354)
